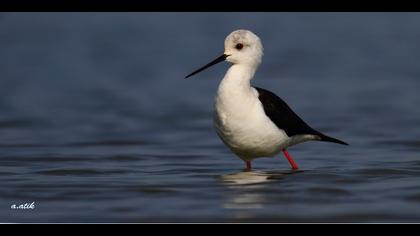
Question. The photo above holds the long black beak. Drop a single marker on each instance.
(214, 62)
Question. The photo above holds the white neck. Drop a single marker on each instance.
(235, 90)
(238, 77)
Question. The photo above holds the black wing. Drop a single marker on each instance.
(286, 119)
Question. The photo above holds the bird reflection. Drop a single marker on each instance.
(248, 189)
(254, 177)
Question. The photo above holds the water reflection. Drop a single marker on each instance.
(248, 189)
(254, 177)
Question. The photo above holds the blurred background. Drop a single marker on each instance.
(97, 123)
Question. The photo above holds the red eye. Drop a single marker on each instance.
(239, 46)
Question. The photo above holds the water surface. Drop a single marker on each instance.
(97, 123)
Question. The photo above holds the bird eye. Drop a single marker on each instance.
(239, 46)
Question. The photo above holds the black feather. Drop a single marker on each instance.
(286, 119)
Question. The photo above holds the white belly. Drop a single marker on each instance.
(241, 123)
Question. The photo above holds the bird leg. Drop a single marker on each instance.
(248, 165)
(290, 159)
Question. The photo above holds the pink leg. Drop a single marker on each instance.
(290, 159)
(248, 165)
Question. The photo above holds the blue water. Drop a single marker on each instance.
(97, 123)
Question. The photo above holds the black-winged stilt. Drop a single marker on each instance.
(251, 121)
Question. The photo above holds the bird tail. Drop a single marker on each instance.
(326, 138)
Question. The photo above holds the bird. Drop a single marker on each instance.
(254, 122)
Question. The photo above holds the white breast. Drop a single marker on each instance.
(241, 123)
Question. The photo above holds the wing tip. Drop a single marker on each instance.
(332, 140)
